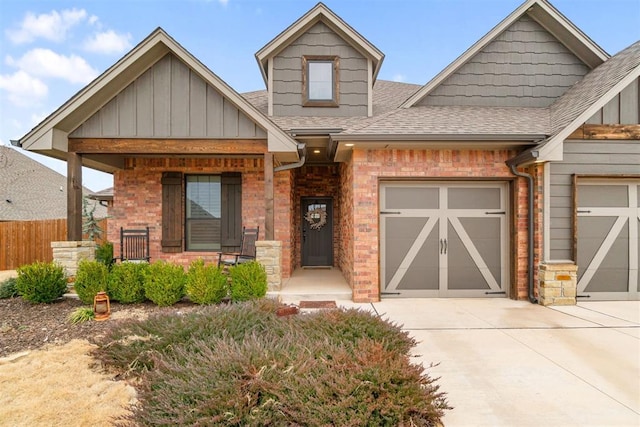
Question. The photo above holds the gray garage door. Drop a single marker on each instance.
(443, 239)
(608, 239)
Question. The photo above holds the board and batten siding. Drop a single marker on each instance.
(169, 100)
(583, 158)
(525, 66)
(623, 109)
(287, 75)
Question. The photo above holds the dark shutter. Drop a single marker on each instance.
(231, 233)
(172, 212)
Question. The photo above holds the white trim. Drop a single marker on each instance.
(270, 88)
(369, 88)
(546, 212)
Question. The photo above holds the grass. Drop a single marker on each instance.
(240, 364)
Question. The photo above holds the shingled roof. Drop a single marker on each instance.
(31, 191)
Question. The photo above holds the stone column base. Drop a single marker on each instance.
(69, 254)
(269, 254)
(557, 283)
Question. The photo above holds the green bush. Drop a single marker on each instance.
(206, 284)
(41, 282)
(265, 370)
(248, 281)
(8, 288)
(126, 282)
(104, 254)
(164, 283)
(91, 278)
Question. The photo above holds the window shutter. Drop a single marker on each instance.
(172, 212)
(231, 233)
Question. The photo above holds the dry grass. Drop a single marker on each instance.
(60, 386)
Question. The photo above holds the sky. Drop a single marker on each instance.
(51, 49)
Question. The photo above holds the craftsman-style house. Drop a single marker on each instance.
(514, 172)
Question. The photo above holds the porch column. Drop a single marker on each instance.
(74, 197)
(268, 196)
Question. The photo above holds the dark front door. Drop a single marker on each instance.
(317, 232)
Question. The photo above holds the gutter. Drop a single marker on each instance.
(527, 157)
(16, 143)
(302, 152)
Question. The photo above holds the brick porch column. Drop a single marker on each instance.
(269, 254)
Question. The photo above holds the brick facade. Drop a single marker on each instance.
(138, 201)
(360, 179)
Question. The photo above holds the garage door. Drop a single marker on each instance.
(443, 239)
(608, 239)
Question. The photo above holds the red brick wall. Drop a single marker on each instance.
(368, 167)
(138, 201)
(345, 228)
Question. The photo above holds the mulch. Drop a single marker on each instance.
(26, 326)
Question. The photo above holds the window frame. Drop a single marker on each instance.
(335, 84)
(187, 219)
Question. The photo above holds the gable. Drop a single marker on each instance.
(524, 66)
(287, 75)
(169, 100)
(622, 109)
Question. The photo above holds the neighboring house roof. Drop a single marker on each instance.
(543, 13)
(318, 13)
(31, 191)
(102, 195)
(50, 136)
(582, 100)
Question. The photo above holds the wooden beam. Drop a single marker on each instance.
(166, 146)
(74, 197)
(614, 132)
(268, 196)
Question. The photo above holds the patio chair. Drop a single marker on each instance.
(247, 249)
(134, 245)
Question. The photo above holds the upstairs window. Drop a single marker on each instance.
(320, 79)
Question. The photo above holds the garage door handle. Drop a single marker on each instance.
(495, 213)
(443, 246)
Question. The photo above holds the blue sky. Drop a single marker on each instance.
(50, 49)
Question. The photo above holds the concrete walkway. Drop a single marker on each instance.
(512, 363)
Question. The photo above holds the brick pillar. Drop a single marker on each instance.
(69, 254)
(269, 254)
(558, 283)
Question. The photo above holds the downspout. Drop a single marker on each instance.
(302, 152)
(530, 225)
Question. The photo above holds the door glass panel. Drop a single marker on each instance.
(603, 195)
(411, 198)
(474, 198)
(463, 271)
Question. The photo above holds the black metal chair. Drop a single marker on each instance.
(247, 249)
(134, 245)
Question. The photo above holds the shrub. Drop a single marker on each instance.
(266, 370)
(81, 314)
(206, 284)
(41, 282)
(91, 278)
(164, 283)
(248, 281)
(8, 288)
(126, 282)
(104, 254)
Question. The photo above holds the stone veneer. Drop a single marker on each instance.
(69, 254)
(269, 254)
(557, 283)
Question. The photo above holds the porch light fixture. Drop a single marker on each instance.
(349, 145)
(101, 306)
(316, 151)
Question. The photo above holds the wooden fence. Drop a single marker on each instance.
(24, 242)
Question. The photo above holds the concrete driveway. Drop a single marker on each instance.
(512, 363)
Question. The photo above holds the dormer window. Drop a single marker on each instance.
(320, 81)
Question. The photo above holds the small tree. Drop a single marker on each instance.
(90, 225)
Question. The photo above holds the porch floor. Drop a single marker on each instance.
(313, 284)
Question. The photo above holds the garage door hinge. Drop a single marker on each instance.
(495, 293)
(495, 213)
(389, 293)
(389, 213)
(579, 211)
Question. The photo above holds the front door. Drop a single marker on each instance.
(443, 239)
(317, 232)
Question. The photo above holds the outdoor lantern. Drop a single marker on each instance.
(101, 306)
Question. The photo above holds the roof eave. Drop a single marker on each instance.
(515, 138)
